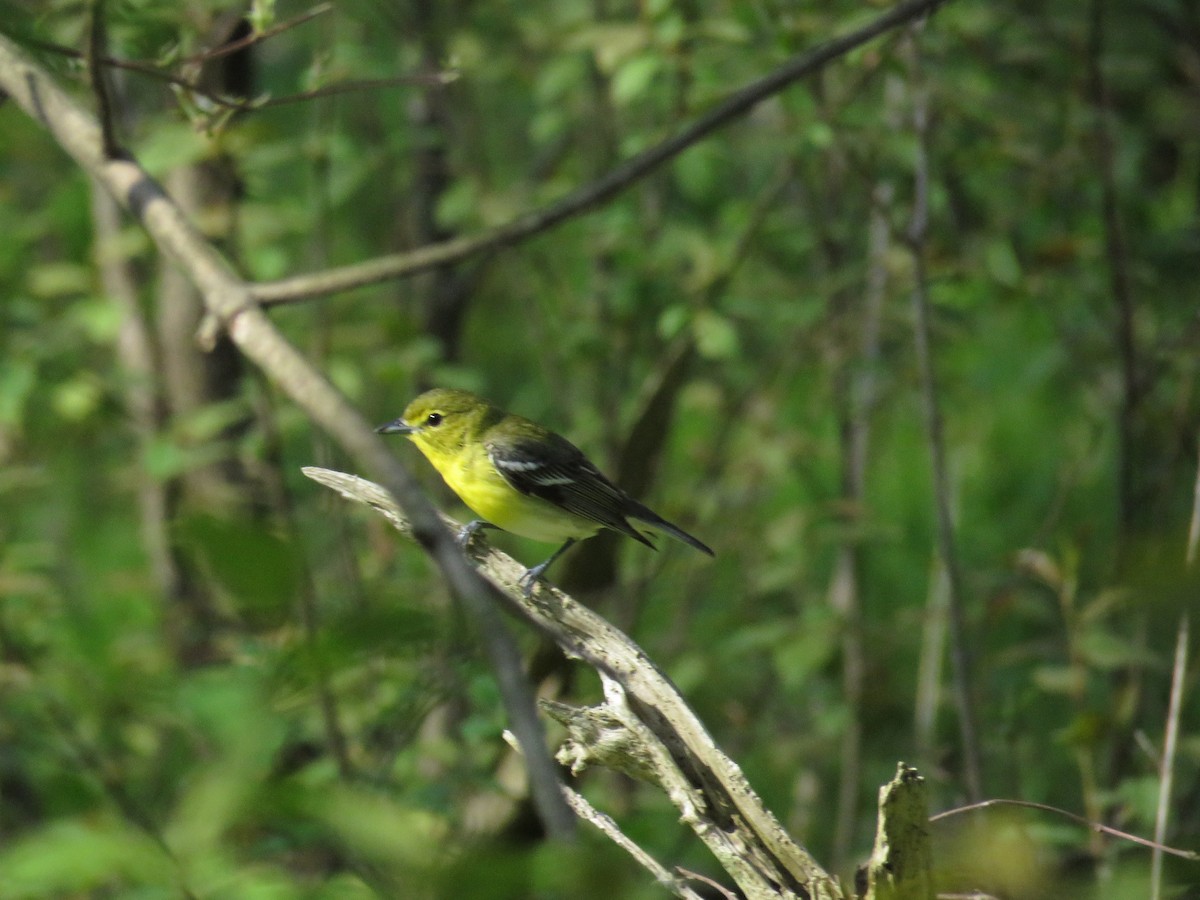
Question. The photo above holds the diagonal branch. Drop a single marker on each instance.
(291, 290)
(228, 300)
(610, 829)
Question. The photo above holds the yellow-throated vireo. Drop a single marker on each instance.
(520, 477)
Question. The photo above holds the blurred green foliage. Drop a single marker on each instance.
(154, 747)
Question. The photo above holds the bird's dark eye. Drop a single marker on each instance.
(433, 420)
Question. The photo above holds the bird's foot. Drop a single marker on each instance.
(534, 575)
(530, 579)
(467, 533)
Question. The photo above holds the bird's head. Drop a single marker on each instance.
(442, 419)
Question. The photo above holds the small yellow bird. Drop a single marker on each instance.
(520, 477)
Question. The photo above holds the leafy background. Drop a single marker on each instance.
(264, 694)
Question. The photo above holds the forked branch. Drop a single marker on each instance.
(643, 727)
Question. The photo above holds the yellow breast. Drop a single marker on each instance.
(477, 483)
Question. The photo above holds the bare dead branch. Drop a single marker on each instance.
(696, 876)
(605, 824)
(901, 865)
(1166, 772)
(644, 727)
(1193, 538)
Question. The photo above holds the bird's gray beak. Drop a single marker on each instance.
(399, 426)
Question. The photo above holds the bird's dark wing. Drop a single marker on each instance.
(553, 469)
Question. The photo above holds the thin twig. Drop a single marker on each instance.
(137, 357)
(257, 37)
(1194, 525)
(605, 823)
(947, 549)
(1166, 765)
(612, 831)
(859, 399)
(342, 87)
(239, 105)
(306, 588)
(1166, 771)
(97, 39)
(1117, 259)
(1098, 827)
(927, 698)
(292, 290)
(715, 885)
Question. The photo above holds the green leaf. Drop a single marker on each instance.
(172, 146)
(76, 857)
(673, 320)
(78, 397)
(376, 827)
(1057, 679)
(166, 458)
(634, 76)
(1002, 263)
(59, 279)
(18, 378)
(1084, 731)
(98, 317)
(716, 338)
(1108, 651)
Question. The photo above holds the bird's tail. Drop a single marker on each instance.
(644, 514)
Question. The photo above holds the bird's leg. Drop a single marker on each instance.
(532, 576)
(467, 533)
